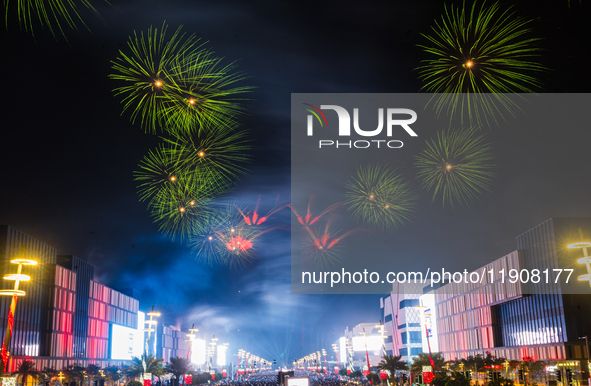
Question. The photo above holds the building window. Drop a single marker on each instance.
(415, 336)
(410, 303)
(403, 352)
(416, 351)
(388, 318)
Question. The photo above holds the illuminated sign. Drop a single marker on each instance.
(221, 358)
(127, 342)
(429, 323)
(198, 351)
(374, 343)
(297, 381)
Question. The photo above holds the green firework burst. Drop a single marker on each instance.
(207, 93)
(477, 54)
(146, 72)
(175, 83)
(456, 165)
(181, 209)
(55, 14)
(177, 199)
(218, 154)
(159, 172)
(379, 197)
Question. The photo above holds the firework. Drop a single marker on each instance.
(456, 165)
(180, 210)
(177, 198)
(477, 54)
(54, 15)
(218, 153)
(159, 172)
(308, 220)
(256, 219)
(226, 239)
(207, 93)
(146, 72)
(175, 83)
(322, 246)
(379, 197)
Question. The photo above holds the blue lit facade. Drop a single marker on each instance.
(524, 321)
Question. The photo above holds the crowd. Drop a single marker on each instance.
(270, 379)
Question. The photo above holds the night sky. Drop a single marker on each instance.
(67, 155)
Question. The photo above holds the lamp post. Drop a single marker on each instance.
(60, 376)
(586, 259)
(350, 356)
(366, 352)
(191, 337)
(15, 293)
(212, 345)
(382, 334)
(151, 322)
(588, 359)
(336, 355)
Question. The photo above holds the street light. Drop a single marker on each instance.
(583, 260)
(588, 359)
(151, 322)
(60, 376)
(15, 293)
(191, 337)
(382, 334)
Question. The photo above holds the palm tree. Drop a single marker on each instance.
(74, 373)
(25, 369)
(152, 364)
(423, 360)
(178, 366)
(392, 363)
(113, 374)
(93, 372)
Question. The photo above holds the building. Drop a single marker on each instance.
(66, 317)
(541, 320)
(402, 320)
(365, 340)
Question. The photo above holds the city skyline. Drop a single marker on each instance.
(69, 155)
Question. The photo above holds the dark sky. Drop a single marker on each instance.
(67, 156)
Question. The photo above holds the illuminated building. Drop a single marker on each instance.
(404, 330)
(533, 321)
(172, 342)
(516, 321)
(361, 337)
(66, 316)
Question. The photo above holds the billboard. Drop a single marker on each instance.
(374, 343)
(297, 381)
(198, 351)
(429, 323)
(127, 342)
